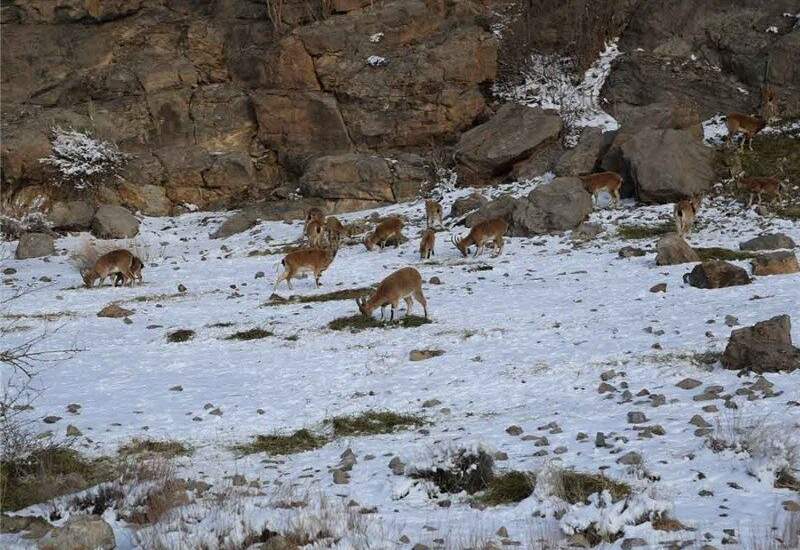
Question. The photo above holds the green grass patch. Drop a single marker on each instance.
(508, 488)
(48, 473)
(372, 423)
(357, 323)
(276, 444)
(576, 487)
(165, 447)
(629, 231)
(250, 334)
(180, 335)
(717, 253)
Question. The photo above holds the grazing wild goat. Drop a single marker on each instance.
(433, 213)
(314, 231)
(136, 271)
(116, 261)
(479, 235)
(334, 230)
(602, 181)
(746, 125)
(314, 260)
(769, 103)
(426, 244)
(387, 229)
(685, 212)
(758, 186)
(403, 284)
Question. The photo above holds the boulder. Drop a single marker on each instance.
(237, 223)
(501, 207)
(71, 215)
(34, 245)
(672, 249)
(114, 222)
(587, 231)
(465, 205)
(781, 262)
(114, 311)
(511, 135)
(763, 347)
(769, 241)
(666, 165)
(364, 177)
(80, 533)
(716, 274)
(582, 158)
(151, 200)
(563, 204)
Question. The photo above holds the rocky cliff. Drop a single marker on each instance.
(224, 102)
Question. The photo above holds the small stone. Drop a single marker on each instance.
(605, 387)
(500, 455)
(791, 505)
(702, 432)
(502, 532)
(396, 466)
(731, 321)
(608, 375)
(430, 403)
(216, 412)
(176, 388)
(630, 252)
(114, 311)
(657, 399)
(560, 450)
(435, 280)
(259, 275)
(581, 436)
(514, 430)
(72, 431)
(181, 288)
(698, 421)
(260, 411)
(74, 408)
(688, 384)
(238, 480)
(636, 417)
(600, 440)
(340, 477)
(710, 409)
(541, 442)
(404, 539)
(631, 459)
(423, 354)
(660, 287)
(9, 271)
(51, 419)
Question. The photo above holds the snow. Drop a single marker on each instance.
(525, 343)
(377, 37)
(773, 30)
(376, 61)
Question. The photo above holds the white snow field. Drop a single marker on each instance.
(526, 337)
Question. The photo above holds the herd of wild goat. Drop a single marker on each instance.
(324, 234)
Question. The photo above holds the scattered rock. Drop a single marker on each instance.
(180, 335)
(636, 417)
(435, 280)
(51, 419)
(259, 275)
(582, 158)
(716, 274)
(216, 412)
(630, 458)
(73, 431)
(238, 480)
(699, 421)
(731, 321)
(465, 205)
(688, 384)
(80, 533)
(605, 387)
(430, 403)
(631, 252)
(176, 388)
(587, 231)
(181, 288)
(114, 312)
(423, 354)
(73, 408)
(770, 241)
(763, 347)
(237, 223)
(660, 287)
(781, 262)
(71, 215)
(396, 466)
(672, 249)
(600, 440)
(340, 477)
(514, 430)
(114, 222)
(34, 245)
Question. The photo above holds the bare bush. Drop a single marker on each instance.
(11, 228)
(83, 161)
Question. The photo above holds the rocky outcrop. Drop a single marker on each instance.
(582, 158)
(80, 533)
(490, 150)
(71, 215)
(672, 249)
(114, 222)
(781, 262)
(466, 205)
(764, 347)
(219, 104)
(34, 245)
(769, 241)
(717, 274)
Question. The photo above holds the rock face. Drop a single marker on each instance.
(716, 274)
(764, 347)
(466, 205)
(770, 241)
(490, 150)
(672, 249)
(80, 533)
(781, 262)
(71, 215)
(220, 104)
(114, 222)
(34, 245)
(583, 158)
(666, 165)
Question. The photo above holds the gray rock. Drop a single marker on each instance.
(636, 417)
(688, 384)
(114, 222)
(34, 245)
(237, 223)
(583, 157)
(396, 466)
(80, 533)
(763, 347)
(514, 430)
(769, 241)
(699, 421)
(423, 354)
(340, 477)
(465, 205)
(631, 252)
(71, 215)
(672, 249)
(559, 205)
(586, 231)
(73, 431)
(781, 262)
(631, 459)
(716, 274)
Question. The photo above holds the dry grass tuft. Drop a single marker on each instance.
(373, 423)
(277, 444)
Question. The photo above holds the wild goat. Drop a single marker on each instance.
(602, 181)
(334, 230)
(426, 244)
(685, 212)
(746, 125)
(479, 235)
(314, 232)
(136, 270)
(314, 214)
(758, 186)
(387, 229)
(403, 284)
(769, 103)
(116, 261)
(314, 260)
(433, 213)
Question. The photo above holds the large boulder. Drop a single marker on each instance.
(764, 347)
(582, 158)
(467, 204)
(716, 274)
(71, 215)
(364, 177)
(114, 222)
(666, 165)
(511, 135)
(80, 533)
(781, 262)
(672, 249)
(563, 204)
(34, 245)
(501, 207)
(769, 241)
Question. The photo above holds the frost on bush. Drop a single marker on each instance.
(12, 228)
(607, 520)
(81, 160)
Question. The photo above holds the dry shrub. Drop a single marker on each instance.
(154, 490)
